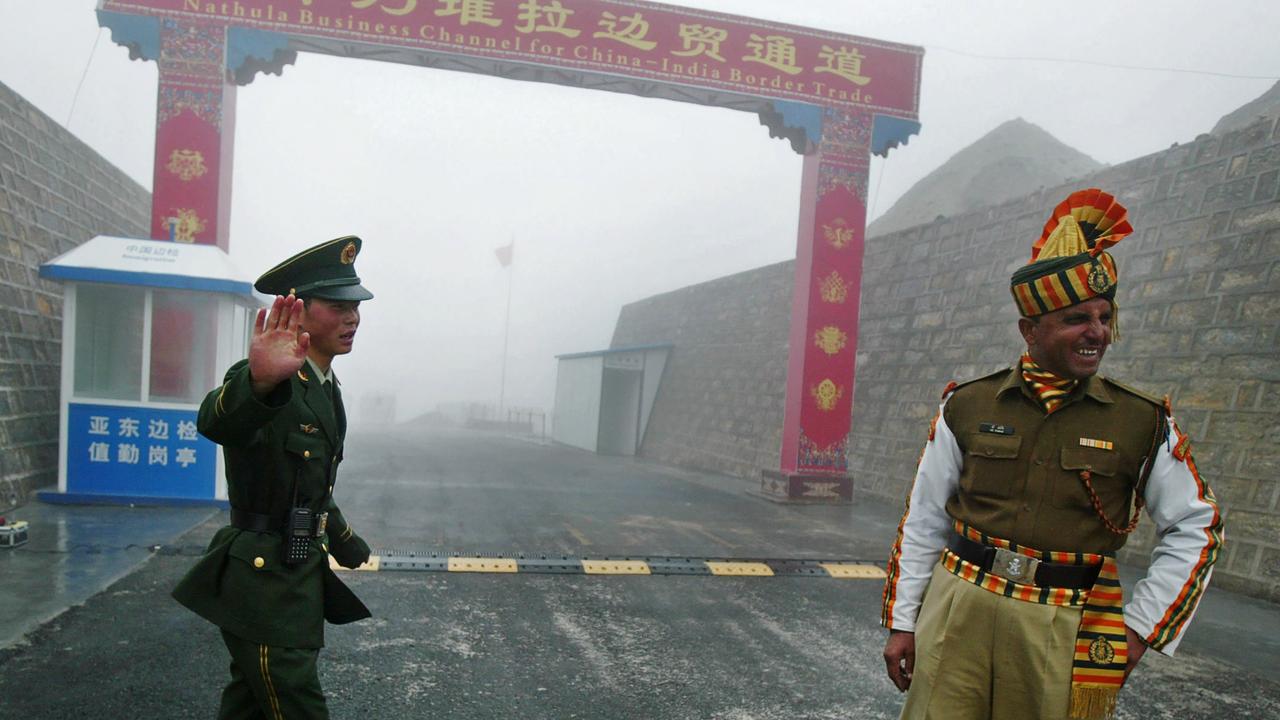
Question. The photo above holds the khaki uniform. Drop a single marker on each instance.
(1028, 482)
(1021, 474)
(998, 463)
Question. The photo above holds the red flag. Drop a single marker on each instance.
(504, 254)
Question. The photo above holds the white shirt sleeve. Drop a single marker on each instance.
(924, 529)
(1189, 527)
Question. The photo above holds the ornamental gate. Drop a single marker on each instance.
(836, 98)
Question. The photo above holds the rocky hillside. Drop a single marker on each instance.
(1267, 104)
(1006, 163)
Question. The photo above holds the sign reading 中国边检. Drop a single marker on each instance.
(143, 451)
(620, 37)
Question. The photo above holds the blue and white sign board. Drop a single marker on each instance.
(130, 442)
(152, 263)
(138, 451)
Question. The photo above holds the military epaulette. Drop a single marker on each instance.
(1138, 393)
(953, 386)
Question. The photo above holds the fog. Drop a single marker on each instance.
(611, 198)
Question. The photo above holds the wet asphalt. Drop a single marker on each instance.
(453, 645)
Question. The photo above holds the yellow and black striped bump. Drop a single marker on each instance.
(569, 565)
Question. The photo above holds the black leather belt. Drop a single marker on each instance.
(257, 522)
(1023, 569)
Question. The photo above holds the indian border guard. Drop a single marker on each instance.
(265, 578)
(1002, 598)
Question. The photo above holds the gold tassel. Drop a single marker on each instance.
(1093, 703)
(1115, 321)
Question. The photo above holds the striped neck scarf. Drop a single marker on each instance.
(1050, 389)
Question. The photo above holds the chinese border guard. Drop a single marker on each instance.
(265, 578)
(1002, 598)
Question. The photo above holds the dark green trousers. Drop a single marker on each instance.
(271, 683)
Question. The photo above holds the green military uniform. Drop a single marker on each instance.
(282, 452)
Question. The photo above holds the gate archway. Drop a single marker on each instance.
(836, 98)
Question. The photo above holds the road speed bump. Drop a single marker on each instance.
(854, 570)
(730, 567)
(546, 564)
(615, 567)
(483, 565)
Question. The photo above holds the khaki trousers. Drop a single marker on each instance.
(982, 656)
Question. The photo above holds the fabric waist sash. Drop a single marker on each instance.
(1023, 568)
(1102, 649)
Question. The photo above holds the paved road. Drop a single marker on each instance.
(538, 646)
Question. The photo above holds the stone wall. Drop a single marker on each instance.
(720, 403)
(55, 193)
(1199, 319)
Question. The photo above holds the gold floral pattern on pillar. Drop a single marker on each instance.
(830, 339)
(826, 394)
(833, 288)
(185, 225)
(838, 233)
(186, 164)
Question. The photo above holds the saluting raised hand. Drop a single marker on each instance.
(277, 350)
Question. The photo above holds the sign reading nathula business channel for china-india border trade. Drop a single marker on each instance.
(620, 37)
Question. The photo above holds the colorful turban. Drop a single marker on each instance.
(1069, 263)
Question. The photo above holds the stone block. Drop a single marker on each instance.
(1158, 343)
(1248, 525)
(1260, 307)
(1205, 392)
(1259, 247)
(1269, 565)
(1247, 395)
(1229, 194)
(1191, 313)
(1246, 277)
(1265, 216)
(1221, 340)
(1267, 186)
(1237, 166)
(1270, 395)
(1193, 230)
(1240, 557)
(1228, 426)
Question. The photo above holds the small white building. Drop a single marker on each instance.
(603, 398)
(148, 327)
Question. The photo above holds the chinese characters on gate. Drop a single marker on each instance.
(124, 441)
(640, 40)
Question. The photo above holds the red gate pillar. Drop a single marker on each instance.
(195, 128)
(824, 314)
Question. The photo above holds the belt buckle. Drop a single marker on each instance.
(322, 521)
(1014, 566)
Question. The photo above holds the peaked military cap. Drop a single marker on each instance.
(326, 271)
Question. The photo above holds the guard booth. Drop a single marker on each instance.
(603, 398)
(148, 327)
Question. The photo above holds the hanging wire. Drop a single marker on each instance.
(875, 196)
(75, 98)
(1095, 63)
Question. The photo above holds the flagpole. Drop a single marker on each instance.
(506, 331)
